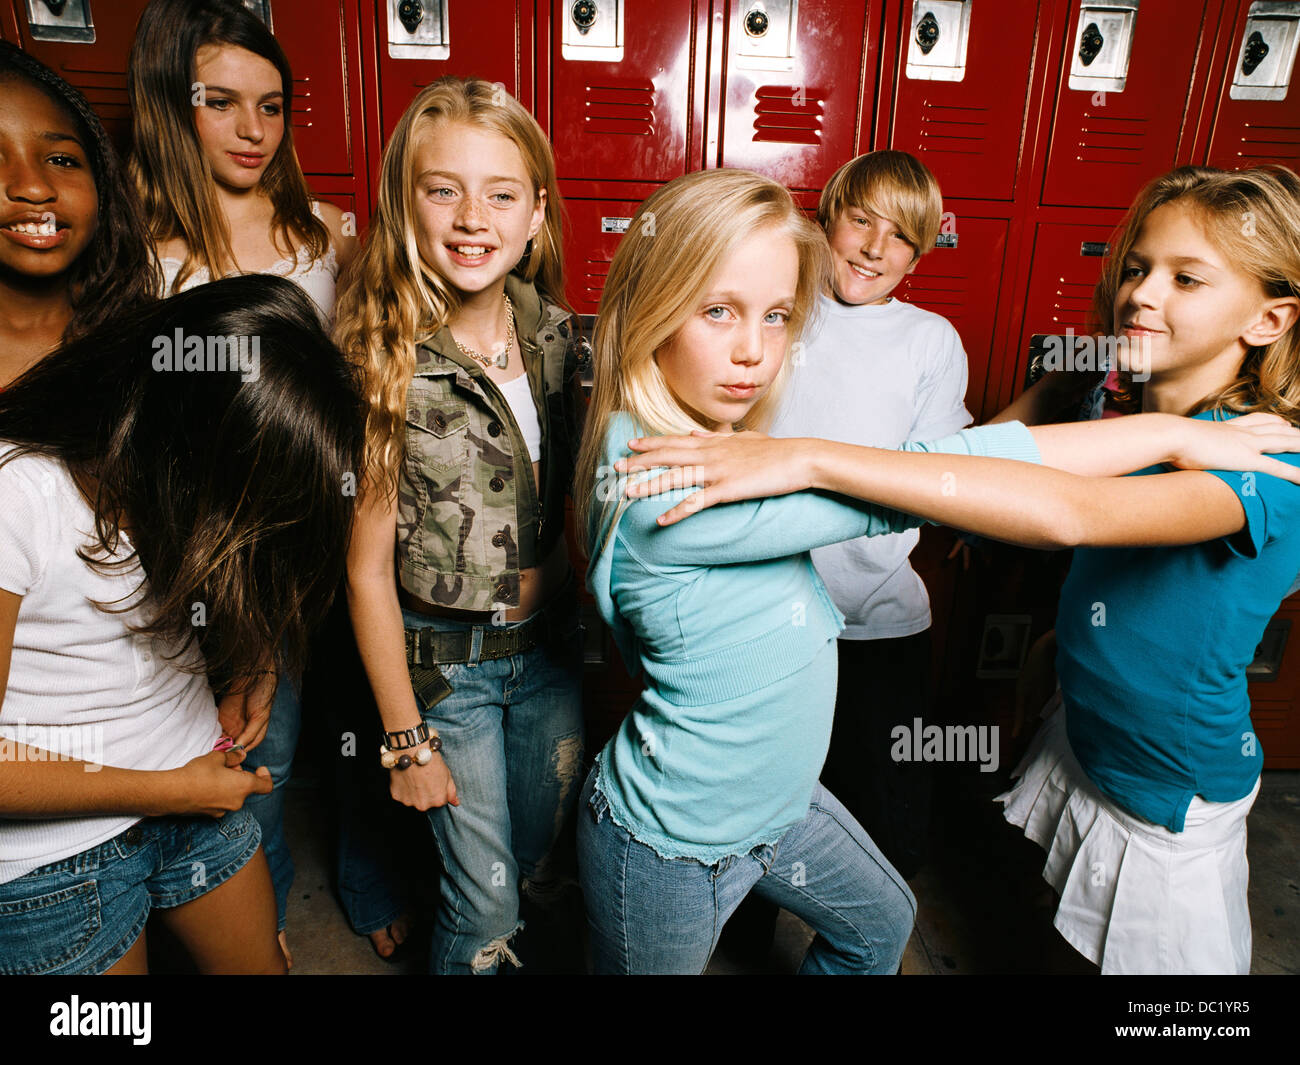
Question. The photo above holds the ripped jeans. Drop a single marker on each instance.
(512, 737)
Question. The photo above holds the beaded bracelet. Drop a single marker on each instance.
(391, 760)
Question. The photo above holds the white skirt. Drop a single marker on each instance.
(1135, 897)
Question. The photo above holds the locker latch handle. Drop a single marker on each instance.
(56, 7)
(584, 15)
(756, 22)
(927, 32)
(410, 13)
(1256, 50)
(1090, 44)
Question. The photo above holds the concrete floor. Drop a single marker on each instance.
(983, 906)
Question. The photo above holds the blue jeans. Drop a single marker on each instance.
(276, 752)
(82, 914)
(512, 737)
(367, 882)
(649, 914)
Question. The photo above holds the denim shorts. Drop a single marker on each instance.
(82, 914)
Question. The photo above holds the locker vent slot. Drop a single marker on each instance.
(594, 272)
(1267, 143)
(1112, 140)
(953, 130)
(942, 293)
(1072, 304)
(302, 103)
(104, 89)
(789, 114)
(619, 105)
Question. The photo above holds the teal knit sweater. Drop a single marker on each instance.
(736, 635)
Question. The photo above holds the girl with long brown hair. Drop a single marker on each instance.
(223, 193)
(155, 505)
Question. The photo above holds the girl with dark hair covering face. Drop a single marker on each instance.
(223, 193)
(160, 477)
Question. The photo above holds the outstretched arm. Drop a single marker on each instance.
(1012, 501)
(751, 531)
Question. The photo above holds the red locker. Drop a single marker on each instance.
(97, 67)
(1121, 98)
(1067, 264)
(490, 39)
(592, 231)
(1257, 119)
(960, 281)
(792, 87)
(312, 36)
(621, 89)
(962, 88)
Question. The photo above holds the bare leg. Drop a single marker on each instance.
(231, 929)
(135, 962)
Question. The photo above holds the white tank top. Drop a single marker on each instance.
(316, 277)
(520, 398)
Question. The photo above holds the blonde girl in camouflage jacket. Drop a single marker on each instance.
(459, 583)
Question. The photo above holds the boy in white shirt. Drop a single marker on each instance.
(876, 371)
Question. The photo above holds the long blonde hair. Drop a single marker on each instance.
(1253, 217)
(171, 174)
(674, 244)
(395, 300)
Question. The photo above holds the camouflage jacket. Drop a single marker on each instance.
(469, 516)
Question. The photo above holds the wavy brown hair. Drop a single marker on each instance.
(395, 300)
(167, 164)
(116, 271)
(1253, 217)
(673, 246)
(236, 490)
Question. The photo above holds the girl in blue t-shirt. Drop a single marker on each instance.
(1140, 789)
(709, 788)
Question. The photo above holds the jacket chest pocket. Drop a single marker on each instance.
(437, 441)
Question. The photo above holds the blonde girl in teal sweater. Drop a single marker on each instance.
(709, 788)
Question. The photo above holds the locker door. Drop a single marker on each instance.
(621, 76)
(1121, 98)
(962, 85)
(421, 42)
(1274, 686)
(960, 281)
(592, 231)
(1258, 116)
(311, 34)
(97, 67)
(791, 87)
(1067, 264)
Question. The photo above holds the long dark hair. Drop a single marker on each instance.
(116, 271)
(236, 489)
(171, 174)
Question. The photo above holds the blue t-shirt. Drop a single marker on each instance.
(1153, 645)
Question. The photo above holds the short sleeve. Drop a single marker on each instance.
(27, 532)
(1272, 507)
(941, 392)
